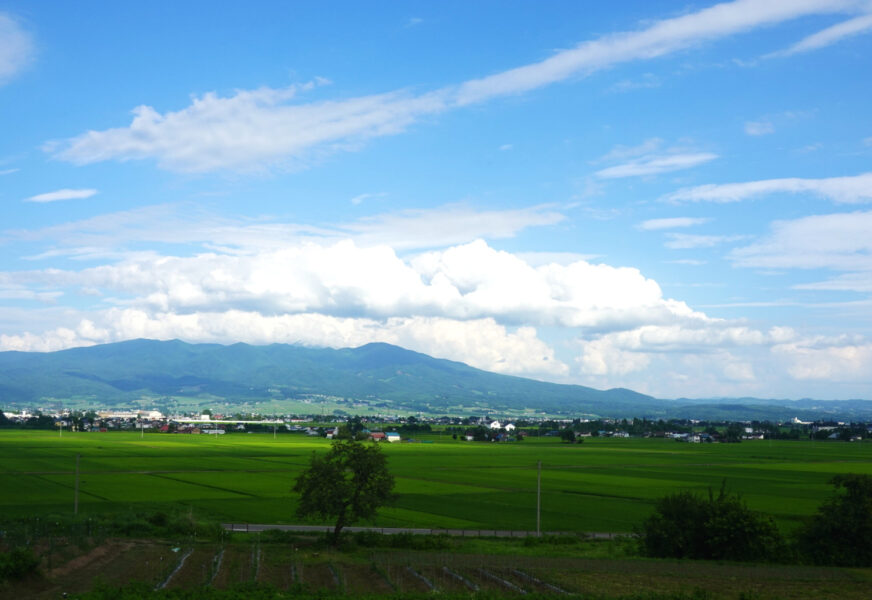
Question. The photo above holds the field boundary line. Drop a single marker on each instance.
(259, 527)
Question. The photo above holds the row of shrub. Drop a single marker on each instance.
(722, 527)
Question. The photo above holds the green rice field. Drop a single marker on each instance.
(602, 485)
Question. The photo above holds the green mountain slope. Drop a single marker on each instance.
(124, 371)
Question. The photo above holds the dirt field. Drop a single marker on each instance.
(287, 566)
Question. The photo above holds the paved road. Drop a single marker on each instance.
(255, 527)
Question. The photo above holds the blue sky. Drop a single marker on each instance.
(670, 197)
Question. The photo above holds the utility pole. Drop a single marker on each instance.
(76, 495)
(539, 499)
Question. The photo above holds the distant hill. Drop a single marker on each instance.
(123, 372)
(150, 372)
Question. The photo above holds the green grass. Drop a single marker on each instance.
(601, 485)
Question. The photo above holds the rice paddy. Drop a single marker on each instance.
(603, 485)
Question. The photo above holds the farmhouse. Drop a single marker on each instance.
(392, 436)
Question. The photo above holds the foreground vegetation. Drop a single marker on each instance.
(282, 565)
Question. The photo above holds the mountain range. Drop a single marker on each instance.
(381, 375)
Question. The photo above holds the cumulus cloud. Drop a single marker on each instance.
(254, 129)
(469, 281)
(624, 352)
(16, 47)
(64, 194)
(853, 189)
(844, 359)
(671, 223)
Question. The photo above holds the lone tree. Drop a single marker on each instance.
(348, 483)
(841, 531)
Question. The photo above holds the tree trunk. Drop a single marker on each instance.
(340, 523)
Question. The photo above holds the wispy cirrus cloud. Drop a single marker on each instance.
(256, 129)
(249, 130)
(671, 223)
(16, 47)
(660, 39)
(686, 241)
(64, 194)
(757, 128)
(115, 234)
(839, 242)
(829, 36)
(654, 165)
(853, 189)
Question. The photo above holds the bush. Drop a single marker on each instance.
(719, 527)
(841, 531)
(17, 564)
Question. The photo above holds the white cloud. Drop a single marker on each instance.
(108, 235)
(654, 165)
(446, 225)
(361, 197)
(622, 153)
(249, 130)
(16, 47)
(840, 242)
(683, 241)
(836, 360)
(671, 223)
(853, 189)
(537, 259)
(632, 350)
(848, 282)
(648, 80)
(661, 38)
(759, 128)
(470, 281)
(8, 171)
(688, 261)
(64, 194)
(260, 128)
(830, 35)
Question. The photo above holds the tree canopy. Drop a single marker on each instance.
(687, 525)
(348, 483)
(841, 531)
